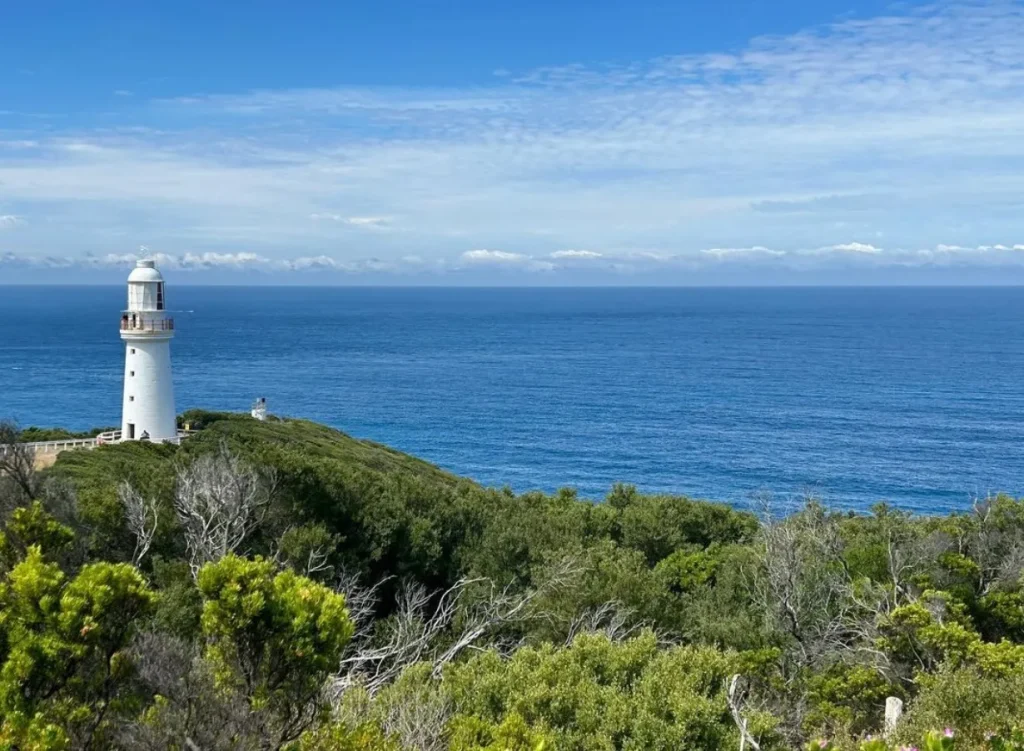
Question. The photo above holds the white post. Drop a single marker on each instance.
(893, 712)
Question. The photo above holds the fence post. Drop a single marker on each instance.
(893, 712)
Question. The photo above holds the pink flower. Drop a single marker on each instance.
(948, 732)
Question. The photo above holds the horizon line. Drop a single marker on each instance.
(881, 285)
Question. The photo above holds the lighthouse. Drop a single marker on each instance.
(147, 411)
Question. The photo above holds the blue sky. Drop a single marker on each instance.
(527, 143)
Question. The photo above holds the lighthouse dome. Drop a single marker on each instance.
(145, 271)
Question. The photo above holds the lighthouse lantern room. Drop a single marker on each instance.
(146, 329)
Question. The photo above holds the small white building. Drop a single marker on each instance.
(148, 408)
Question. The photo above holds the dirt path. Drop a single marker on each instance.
(42, 461)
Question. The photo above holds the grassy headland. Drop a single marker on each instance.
(280, 584)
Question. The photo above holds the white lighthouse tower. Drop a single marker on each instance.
(148, 407)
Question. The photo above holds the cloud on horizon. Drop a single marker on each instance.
(905, 131)
(564, 262)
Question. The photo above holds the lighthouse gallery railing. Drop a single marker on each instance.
(142, 326)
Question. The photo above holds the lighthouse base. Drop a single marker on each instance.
(147, 411)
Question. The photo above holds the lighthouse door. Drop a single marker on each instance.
(131, 431)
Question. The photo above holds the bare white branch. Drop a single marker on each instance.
(433, 628)
(801, 581)
(315, 561)
(734, 699)
(220, 500)
(360, 601)
(996, 543)
(611, 619)
(420, 724)
(142, 517)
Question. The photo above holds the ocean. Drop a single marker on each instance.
(909, 395)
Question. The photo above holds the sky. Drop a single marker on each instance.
(528, 143)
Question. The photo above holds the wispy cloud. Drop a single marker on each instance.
(734, 253)
(198, 262)
(854, 247)
(908, 126)
(368, 222)
(8, 221)
(561, 255)
(502, 258)
(494, 256)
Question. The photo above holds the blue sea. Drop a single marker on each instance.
(914, 396)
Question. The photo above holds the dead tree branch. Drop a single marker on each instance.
(734, 699)
(801, 582)
(142, 516)
(308, 562)
(220, 500)
(611, 619)
(430, 628)
(420, 723)
(17, 460)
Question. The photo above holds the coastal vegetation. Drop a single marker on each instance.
(280, 585)
(32, 434)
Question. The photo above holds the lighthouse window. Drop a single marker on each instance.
(133, 350)
(131, 398)
(131, 373)
(160, 296)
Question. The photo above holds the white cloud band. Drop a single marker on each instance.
(615, 262)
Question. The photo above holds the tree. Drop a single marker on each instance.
(17, 461)
(142, 516)
(801, 585)
(340, 737)
(599, 694)
(30, 526)
(967, 699)
(186, 709)
(220, 500)
(658, 525)
(801, 582)
(434, 629)
(275, 637)
(995, 540)
(308, 549)
(64, 663)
